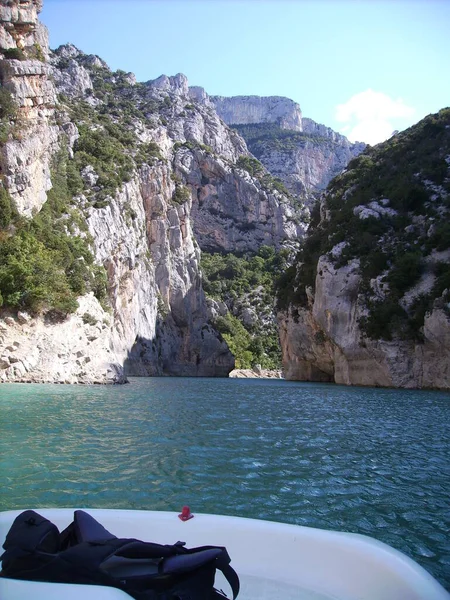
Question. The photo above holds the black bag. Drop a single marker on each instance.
(87, 553)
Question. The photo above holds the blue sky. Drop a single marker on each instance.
(362, 67)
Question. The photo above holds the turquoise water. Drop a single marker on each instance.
(366, 460)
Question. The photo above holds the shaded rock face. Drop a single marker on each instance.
(25, 159)
(232, 211)
(324, 342)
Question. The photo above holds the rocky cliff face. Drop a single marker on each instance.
(242, 110)
(303, 154)
(305, 163)
(324, 342)
(25, 160)
(145, 175)
(369, 301)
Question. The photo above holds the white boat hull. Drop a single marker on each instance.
(274, 561)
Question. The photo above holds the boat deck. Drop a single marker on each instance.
(274, 561)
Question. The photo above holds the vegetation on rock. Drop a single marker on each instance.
(246, 285)
(256, 169)
(46, 262)
(388, 210)
(14, 54)
(107, 124)
(8, 112)
(261, 137)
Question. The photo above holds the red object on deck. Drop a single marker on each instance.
(186, 514)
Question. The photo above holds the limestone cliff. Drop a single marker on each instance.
(303, 154)
(25, 159)
(242, 110)
(369, 302)
(120, 184)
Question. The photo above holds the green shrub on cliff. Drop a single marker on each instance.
(8, 108)
(107, 141)
(246, 282)
(8, 112)
(148, 153)
(238, 340)
(105, 152)
(256, 169)
(44, 265)
(406, 182)
(181, 194)
(251, 165)
(7, 208)
(14, 54)
(32, 276)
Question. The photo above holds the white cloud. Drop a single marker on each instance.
(371, 117)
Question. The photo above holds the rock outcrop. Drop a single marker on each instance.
(303, 154)
(75, 350)
(25, 159)
(20, 27)
(324, 342)
(307, 163)
(255, 373)
(242, 110)
(370, 301)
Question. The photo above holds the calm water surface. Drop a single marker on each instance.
(365, 460)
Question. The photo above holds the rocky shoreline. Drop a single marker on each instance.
(256, 373)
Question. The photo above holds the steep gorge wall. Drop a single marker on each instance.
(307, 166)
(147, 235)
(306, 160)
(369, 303)
(324, 341)
(157, 322)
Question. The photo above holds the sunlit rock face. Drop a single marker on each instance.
(303, 154)
(242, 110)
(324, 341)
(148, 233)
(25, 159)
(307, 165)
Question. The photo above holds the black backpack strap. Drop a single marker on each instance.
(222, 562)
(136, 549)
(184, 563)
(146, 566)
